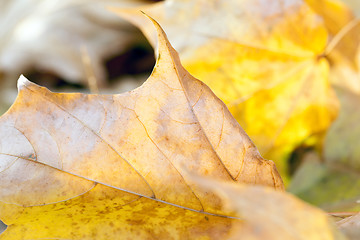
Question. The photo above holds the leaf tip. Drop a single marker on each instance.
(157, 25)
(22, 82)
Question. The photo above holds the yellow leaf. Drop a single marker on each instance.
(342, 26)
(76, 166)
(331, 181)
(264, 59)
(334, 12)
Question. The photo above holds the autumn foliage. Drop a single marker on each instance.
(172, 159)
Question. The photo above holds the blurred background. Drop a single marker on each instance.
(71, 45)
(287, 69)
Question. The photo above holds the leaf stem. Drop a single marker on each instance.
(342, 214)
(340, 35)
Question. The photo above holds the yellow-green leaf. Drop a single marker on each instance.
(333, 181)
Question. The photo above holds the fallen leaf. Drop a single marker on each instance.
(336, 14)
(343, 27)
(263, 59)
(268, 214)
(350, 227)
(346, 78)
(331, 181)
(77, 166)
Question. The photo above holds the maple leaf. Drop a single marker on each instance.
(335, 14)
(114, 162)
(264, 59)
(331, 180)
(343, 27)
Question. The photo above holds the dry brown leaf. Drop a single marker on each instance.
(268, 214)
(114, 162)
(350, 227)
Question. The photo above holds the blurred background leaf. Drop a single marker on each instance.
(354, 5)
(44, 40)
(332, 180)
